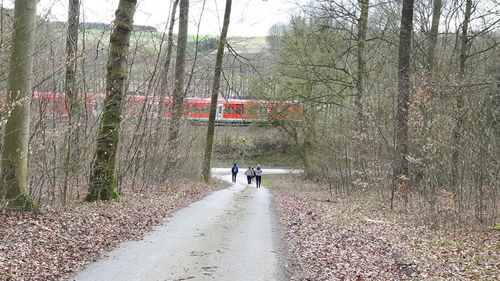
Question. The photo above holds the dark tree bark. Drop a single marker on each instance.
(71, 49)
(14, 174)
(433, 36)
(215, 93)
(401, 173)
(72, 159)
(103, 185)
(361, 62)
(178, 93)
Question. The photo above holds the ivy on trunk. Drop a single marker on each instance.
(103, 185)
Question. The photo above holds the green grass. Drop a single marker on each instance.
(495, 227)
(274, 181)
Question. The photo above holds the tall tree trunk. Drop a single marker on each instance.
(103, 184)
(433, 36)
(178, 93)
(457, 130)
(71, 49)
(163, 86)
(14, 174)
(215, 93)
(72, 153)
(170, 43)
(401, 173)
(361, 74)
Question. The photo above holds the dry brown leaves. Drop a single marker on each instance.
(54, 244)
(360, 239)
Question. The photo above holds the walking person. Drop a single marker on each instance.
(234, 172)
(258, 176)
(250, 174)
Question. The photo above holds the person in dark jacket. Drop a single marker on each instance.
(258, 176)
(234, 172)
(250, 174)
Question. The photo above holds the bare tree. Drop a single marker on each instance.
(401, 172)
(433, 35)
(71, 93)
(464, 46)
(103, 185)
(71, 49)
(361, 74)
(170, 44)
(178, 93)
(215, 93)
(14, 174)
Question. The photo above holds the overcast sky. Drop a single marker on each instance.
(248, 17)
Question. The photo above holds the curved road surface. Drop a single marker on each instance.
(229, 235)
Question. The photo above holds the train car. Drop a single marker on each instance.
(48, 103)
(197, 109)
(242, 111)
(230, 111)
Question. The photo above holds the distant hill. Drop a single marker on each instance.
(106, 26)
(248, 45)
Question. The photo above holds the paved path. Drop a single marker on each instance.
(229, 235)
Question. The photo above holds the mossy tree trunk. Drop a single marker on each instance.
(178, 93)
(72, 138)
(14, 174)
(103, 184)
(215, 93)
(401, 164)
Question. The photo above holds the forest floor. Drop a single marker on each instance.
(54, 244)
(355, 237)
(358, 237)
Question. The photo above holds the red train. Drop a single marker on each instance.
(228, 111)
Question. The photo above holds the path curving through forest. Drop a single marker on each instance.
(230, 235)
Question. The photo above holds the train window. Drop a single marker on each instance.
(194, 109)
(205, 109)
(229, 110)
(239, 110)
(253, 110)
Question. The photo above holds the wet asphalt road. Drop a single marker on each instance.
(229, 236)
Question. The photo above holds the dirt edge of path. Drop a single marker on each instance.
(55, 244)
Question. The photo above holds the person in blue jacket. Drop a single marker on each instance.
(234, 172)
